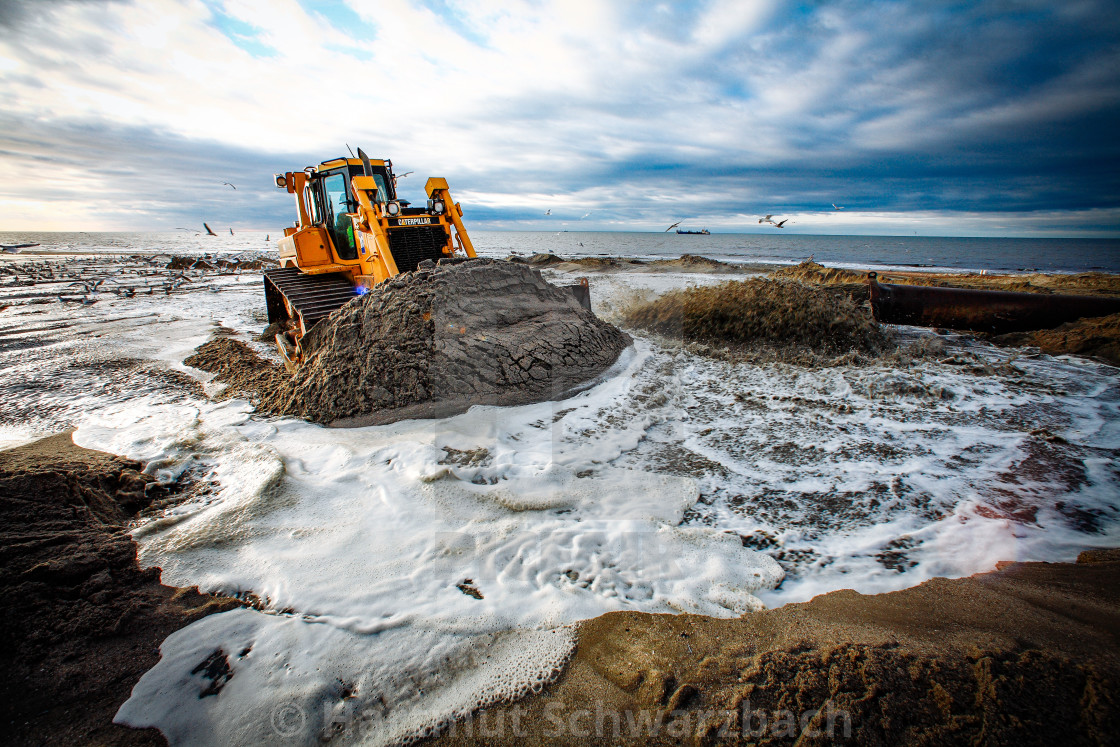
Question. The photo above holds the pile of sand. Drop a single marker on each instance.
(431, 343)
(83, 621)
(537, 260)
(238, 366)
(762, 312)
(812, 272)
(1087, 283)
(694, 261)
(1025, 655)
(1099, 338)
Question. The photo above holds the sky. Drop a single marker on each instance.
(988, 118)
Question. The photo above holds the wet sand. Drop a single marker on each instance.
(1090, 283)
(84, 622)
(1028, 654)
(1093, 338)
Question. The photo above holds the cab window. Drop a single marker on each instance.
(379, 176)
(382, 192)
(336, 204)
(314, 204)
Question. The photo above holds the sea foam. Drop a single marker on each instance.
(366, 550)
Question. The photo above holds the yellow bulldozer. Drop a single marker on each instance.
(353, 233)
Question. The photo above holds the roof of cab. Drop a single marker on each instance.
(336, 162)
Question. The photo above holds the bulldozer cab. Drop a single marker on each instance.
(333, 193)
(337, 203)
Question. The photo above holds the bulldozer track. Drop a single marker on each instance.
(305, 298)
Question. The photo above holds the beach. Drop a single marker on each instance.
(697, 528)
(1024, 654)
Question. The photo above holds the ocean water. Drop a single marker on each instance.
(405, 574)
(876, 252)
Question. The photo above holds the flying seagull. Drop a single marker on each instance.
(670, 228)
(779, 225)
(837, 207)
(766, 219)
(229, 185)
(398, 177)
(208, 231)
(548, 212)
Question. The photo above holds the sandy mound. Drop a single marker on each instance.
(1098, 337)
(811, 272)
(83, 621)
(762, 312)
(694, 261)
(1024, 655)
(238, 366)
(1090, 283)
(537, 260)
(433, 342)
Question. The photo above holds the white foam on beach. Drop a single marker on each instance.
(879, 477)
(291, 680)
(380, 541)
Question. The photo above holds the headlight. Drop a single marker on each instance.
(437, 207)
(281, 180)
(393, 208)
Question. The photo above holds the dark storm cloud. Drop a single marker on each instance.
(995, 106)
(139, 177)
(15, 12)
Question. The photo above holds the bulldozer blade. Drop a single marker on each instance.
(311, 342)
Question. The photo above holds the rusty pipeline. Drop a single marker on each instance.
(992, 311)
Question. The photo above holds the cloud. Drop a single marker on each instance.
(103, 177)
(15, 12)
(622, 108)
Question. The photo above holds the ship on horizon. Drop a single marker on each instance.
(701, 232)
